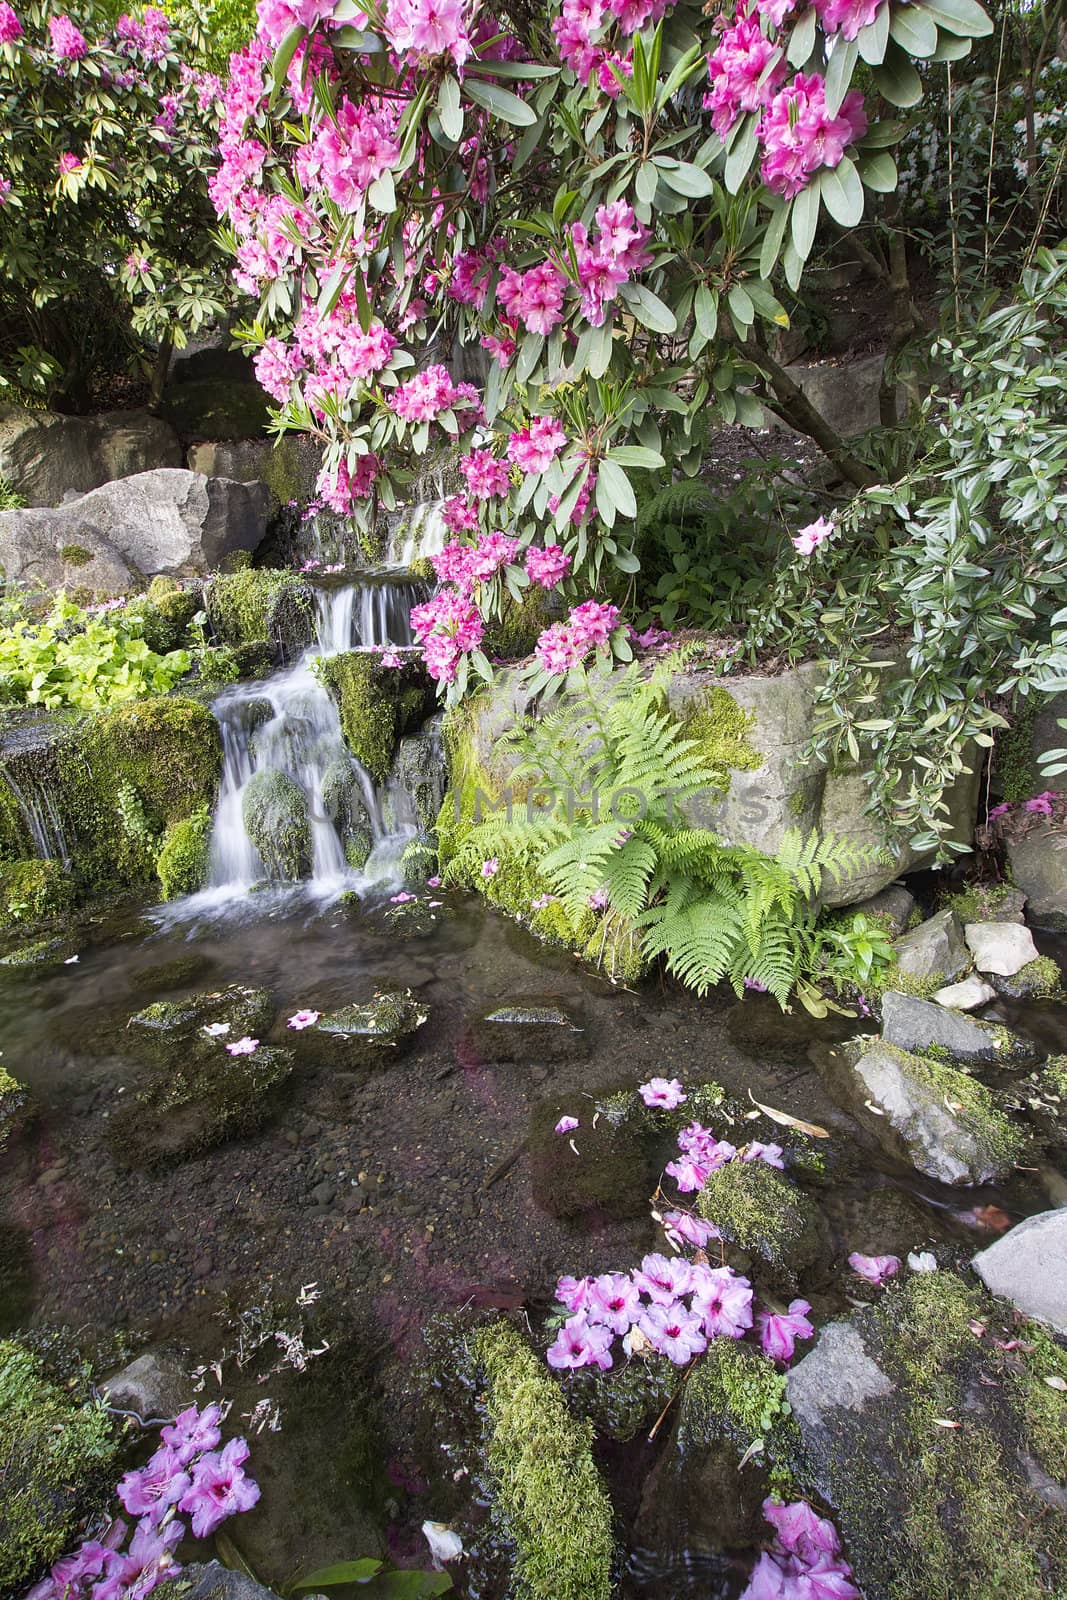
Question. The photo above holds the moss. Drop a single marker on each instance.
(182, 861)
(549, 1494)
(261, 605)
(891, 977)
(1013, 756)
(377, 704)
(1041, 979)
(161, 759)
(14, 1103)
(31, 891)
(76, 555)
(513, 636)
(721, 728)
(982, 902)
(758, 1210)
(422, 570)
(1043, 1406)
(275, 811)
(54, 1466)
(974, 1107)
(367, 1033)
(1054, 1074)
(735, 1391)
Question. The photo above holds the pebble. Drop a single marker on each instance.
(323, 1193)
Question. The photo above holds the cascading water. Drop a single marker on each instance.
(421, 533)
(288, 726)
(41, 816)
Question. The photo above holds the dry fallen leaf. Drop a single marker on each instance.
(1054, 1381)
(784, 1120)
(946, 1422)
(754, 1449)
(872, 1107)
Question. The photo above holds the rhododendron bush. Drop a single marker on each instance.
(107, 247)
(589, 209)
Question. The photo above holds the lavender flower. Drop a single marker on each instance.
(220, 1487)
(581, 1343)
(566, 1124)
(779, 1332)
(876, 1269)
(664, 1092)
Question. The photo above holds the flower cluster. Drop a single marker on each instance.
(547, 566)
(447, 627)
(186, 1474)
(703, 1154)
(805, 1560)
(534, 448)
(431, 392)
(809, 538)
(564, 645)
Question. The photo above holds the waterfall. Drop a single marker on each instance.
(41, 816)
(284, 736)
(419, 534)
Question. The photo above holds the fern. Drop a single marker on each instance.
(712, 911)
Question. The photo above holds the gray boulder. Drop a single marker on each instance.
(419, 771)
(845, 393)
(935, 949)
(366, 1034)
(891, 908)
(213, 1581)
(1000, 947)
(275, 812)
(46, 457)
(1039, 867)
(1028, 1266)
(289, 466)
(935, 1117)
(168, 521)
(156, 1385)
(912, 1024)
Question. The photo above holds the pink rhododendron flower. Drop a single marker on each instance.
(150, 1560)
(615, 1301)
(428, 28)
(693, 1230)
(490, 868)
(801, 1531)
(1041, 803)
(10, 26)
(276, 17)
(192, 1432)
(547, 566)
(557, 650)
(688, 1174)
(219, 1489)
(723, 1299)
(493, 551)
(847, 17)
(243, 1047)
(534, 297)
(566, 1124)
(779, 1332)
(68, 42)
(876, 1269)
(581, 1343)
(542, 902)
(401, 899)
(486, 475)
(1001, 810)
(770, 1153)
(740, 79)
(153, 1488)
(799, 136)
(664, 1278)
(534, 448)
(665, 1092)
(69, 162)
(459, 515)
(575, 1293)
(674, 1332)
(303, 1019)
(501, 350)
(809, 538)
(599, 898)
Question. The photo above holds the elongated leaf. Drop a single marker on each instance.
(839, 72)
(524, 71)
(898, 80)
(784, 1120)
(286, 51)
(873, 39)
(741, 307)
(501, 102)
(450, 108)
(772, 241)
(963, 17)
(618, 487)
(881, 134)
(648, 308)
(368, 44)
(740, 158)
(805, 219)
(949, 48)
(635, 455)
(792, 265)
(802, 39)
(605, 505)
(382, 193)
(646, 182)
(685, 179)
(879, 172)
(340, 1572)
(842, 193)
(915, 30)
(600, 350)
(706, 311)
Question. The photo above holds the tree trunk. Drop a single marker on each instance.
(788, 401)
(901, 328)
(160, 369)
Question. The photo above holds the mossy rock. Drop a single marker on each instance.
(33, 891)
(530, 1028)
(757, 1209)
(904, 1409)
(344, 802)
(366, 1034)
(610, 1177)
(377, 705)
(418, 863)
(217, 408)
(177, 973)
(199, 1103)
(170, 1031)
(736, 1393)
(419, 771)
(43, 953)
(988, 902)
(275, 811)
(548, 1493)
(223, 664)
(14, 1106)
(1038, 980)
(182, 861)
(513, 636)
(627, 1399)
(55, 1466)
(265, 606)
(721, 728)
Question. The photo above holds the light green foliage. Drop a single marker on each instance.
(549, 1493)
(735, 1390)
(714, 911)
(720, 728)
(76, 659)
(221, 28)
(13, 1104)
(182, 861)
(10, 499)
(53, 1466)
(33, 890)
(853, 948)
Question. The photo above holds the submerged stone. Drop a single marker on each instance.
(275, 811)
(1028, 1266)
(1001, 947)
(212, 1581)
(367, 1033)
(174, 1030)
(919, 1025)
(540, 1028)
(155, 1385)
(597, 1170)
(55, 1466)
(934, 1116)
(199, 1103)
(934, 949)
(1037, 980)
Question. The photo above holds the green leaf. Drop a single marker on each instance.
(842, 65)
(792, 265)
(802, 40)
(741, 154)
(605, 505)
(898, 80)
(646, 182)
(879, 172)
(881, 134)
(648, 308)
(685, 179)
(949, 48)
(368, 44)
(600, 350)
(963, 17)
(501, 102)
(772, 240)
(286, 51)
(805, 219)
(706, 311)
(409, 1585)
(341, 1572)
(382, 193)
(618, 487)
(872, 39)
(914, 30)
(450, 108)
(842, 193)
(741, 307)
(635, 455)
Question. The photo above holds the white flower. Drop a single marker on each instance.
(215, 1030)
(922, 1261)
(444, 1544)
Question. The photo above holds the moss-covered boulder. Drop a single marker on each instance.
(601, 1169)
(529, 1028)
(344, 802)
(935, 1446)
(378, 705)
(14, 1105)
(275, 811)
(199, 1103)
(937, 1030)
(171, 1030)
(944, 1122)
(736, 1393)
(263, 605)
(549, 1496)
(55, 1464)
(182, 861)
(366, 1034)
(33, 891)
(418, 771)
(760, 1211)
(222, 664)
(419, 862)
(1038, 980)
